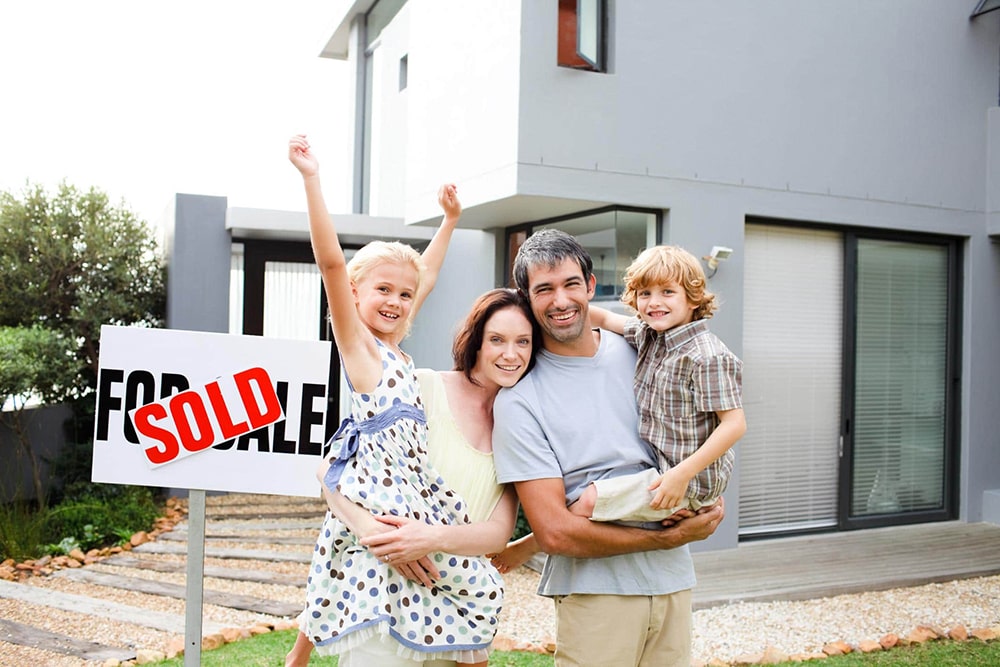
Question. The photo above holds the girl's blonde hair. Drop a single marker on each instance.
(385, 252)
(665, 264)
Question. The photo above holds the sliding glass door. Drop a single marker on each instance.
(850, 342)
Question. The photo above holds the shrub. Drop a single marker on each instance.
(103, 515)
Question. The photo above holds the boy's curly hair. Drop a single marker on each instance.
(666, 263)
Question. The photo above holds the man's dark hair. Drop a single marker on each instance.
(549, 247)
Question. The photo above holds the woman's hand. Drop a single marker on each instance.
(404, 540)
(404, 544)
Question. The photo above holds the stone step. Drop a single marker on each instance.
(27, 635)
(165, 589)
(180, 548)
(112, 612)
(256, 576)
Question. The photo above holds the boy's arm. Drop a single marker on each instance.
(669, 490)
(603, 318)
(433, 256)
(732, 426)
(558, 531)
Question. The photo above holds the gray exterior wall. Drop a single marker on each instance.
(198, 249)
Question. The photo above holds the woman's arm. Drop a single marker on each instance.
(414, 539)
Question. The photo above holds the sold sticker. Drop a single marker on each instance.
(196, 419)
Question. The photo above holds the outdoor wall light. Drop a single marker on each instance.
(719, 253)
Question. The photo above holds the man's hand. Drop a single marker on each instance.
(693, 527)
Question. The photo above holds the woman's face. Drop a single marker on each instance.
(506, 350)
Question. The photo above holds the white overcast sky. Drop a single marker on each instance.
(144, 99)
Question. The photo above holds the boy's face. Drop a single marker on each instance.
(664, 306)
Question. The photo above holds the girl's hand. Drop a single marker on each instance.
(421, 571)
(448, 199)
(670, 490)
(515, 555)
(301, 156)
(410, 541)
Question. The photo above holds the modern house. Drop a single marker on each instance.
(837, 163)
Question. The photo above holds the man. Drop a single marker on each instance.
(571, 420)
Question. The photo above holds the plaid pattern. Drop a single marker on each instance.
(682, 378)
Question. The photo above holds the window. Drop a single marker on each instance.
(613, 237)
(404, 65)
(581, 40)
(850, 344)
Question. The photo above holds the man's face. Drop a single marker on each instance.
(560, 300)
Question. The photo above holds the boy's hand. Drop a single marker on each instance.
(448, 199)
(301, 156)
(670, 490)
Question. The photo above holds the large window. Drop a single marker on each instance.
(613, 237)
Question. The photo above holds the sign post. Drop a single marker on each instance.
(194, 583)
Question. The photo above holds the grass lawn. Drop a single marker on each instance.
(269, 651)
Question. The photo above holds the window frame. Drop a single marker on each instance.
(528, 228)
(575, 48)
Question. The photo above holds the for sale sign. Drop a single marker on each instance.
(184, 409)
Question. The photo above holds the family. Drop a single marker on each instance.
(617, 447)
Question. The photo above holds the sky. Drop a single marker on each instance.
(145, 99)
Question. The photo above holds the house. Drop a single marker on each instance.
(837, 163)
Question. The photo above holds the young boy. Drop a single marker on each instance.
(688, 387)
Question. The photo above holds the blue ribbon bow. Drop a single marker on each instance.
(350, 430)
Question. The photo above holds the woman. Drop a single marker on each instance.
(493, 349)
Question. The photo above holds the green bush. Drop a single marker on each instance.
(21, 530)
(101, 515)
(521, 527)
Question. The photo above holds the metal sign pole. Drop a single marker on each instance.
(195, 584)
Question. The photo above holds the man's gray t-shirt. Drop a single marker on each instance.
(576, 418)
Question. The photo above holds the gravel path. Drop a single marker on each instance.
(726, 633)
(747, 629)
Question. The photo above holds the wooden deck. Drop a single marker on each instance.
(814, 566)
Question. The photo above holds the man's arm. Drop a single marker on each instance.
(559, 531)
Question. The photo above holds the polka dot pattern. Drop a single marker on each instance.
(349, 589)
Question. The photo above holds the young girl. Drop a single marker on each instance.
(371, 610)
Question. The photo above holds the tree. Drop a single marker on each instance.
(69, 263)
(35, 363)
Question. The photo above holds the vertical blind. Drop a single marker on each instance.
(236, 289)
(291, 300)
(792, 353)
(899, 421)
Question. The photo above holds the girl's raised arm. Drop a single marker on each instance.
(354, 342)
(433, 256)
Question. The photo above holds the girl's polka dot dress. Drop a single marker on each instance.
(351, 595)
